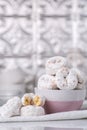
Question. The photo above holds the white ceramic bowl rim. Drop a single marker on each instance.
(62, 95)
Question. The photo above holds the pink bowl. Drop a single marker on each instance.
(62, 100)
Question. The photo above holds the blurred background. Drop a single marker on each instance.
(31, 31)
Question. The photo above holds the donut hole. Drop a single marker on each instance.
(54, 75)
(58, 61)
(54, 61)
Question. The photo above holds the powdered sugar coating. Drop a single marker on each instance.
(66, 79)
(47, 82)
(11, 108)
(81, 78)
(32, 111)
(54, 64)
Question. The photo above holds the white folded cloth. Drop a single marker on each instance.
(79, 114)
(84, 106)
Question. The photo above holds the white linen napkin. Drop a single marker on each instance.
(84, 106)
(79, 114)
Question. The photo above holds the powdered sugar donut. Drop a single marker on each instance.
(66, 79)
(47, 82)
(32, 111)
(38, 100)
(27, 99)
(11, 108)
(81, 78)
(55, 63)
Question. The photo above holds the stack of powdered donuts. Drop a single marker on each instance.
(60, 76)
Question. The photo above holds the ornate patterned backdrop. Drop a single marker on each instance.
(33, 30)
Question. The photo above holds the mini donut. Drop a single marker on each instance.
(32, 111)
(55, 63)
(81, 79)
(66, 79)
(11, 108)
(64, 71)
(47, 82)
(27, 99)
(38, 100)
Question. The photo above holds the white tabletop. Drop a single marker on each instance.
(76, 124)
(43, 125)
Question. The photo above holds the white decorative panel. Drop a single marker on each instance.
(33, 30)
(5, 24)
(83, 36)
(83, 7)
(55, 36)
(20, 39)
(6, 7)
(15, 7)
(54, 7)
